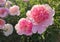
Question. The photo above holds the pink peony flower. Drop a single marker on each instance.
(24, 26)
(2, 2)
(14, 10)
(3, 12)
(2, 23)
(41, 16)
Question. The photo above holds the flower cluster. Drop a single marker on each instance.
(5, 10)
(37, 21)
(42, 16)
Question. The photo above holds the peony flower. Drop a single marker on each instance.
(25, 0)
(14, 10)
(2, 23)
(8, 4)
(41, 17)
(24, 26)
(8, 29)
(2, 2)
(3, 12)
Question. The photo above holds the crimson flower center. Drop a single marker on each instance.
(2, 11)
(26, 26)
(40, 14)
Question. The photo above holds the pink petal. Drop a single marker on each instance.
(2, 2)
(18, 29)
(41, 29)
(43, 26)
(2, 23)
(29, 34)
(20, 33)
(3, 12)
(52, 11)
(35, 29)
(48, 22)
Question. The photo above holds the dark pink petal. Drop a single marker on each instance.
(2, 23)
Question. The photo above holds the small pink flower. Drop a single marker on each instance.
(41, 16)
(14, 10)
(2, 2)
(2, 23)
(3, 12)
(24, 26)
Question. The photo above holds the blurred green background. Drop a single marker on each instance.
(52, 34)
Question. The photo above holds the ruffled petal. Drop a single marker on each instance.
(51, 11)
(48, 22)
(41, 29)
(20, 32)
(35, 28)
(43, 26)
